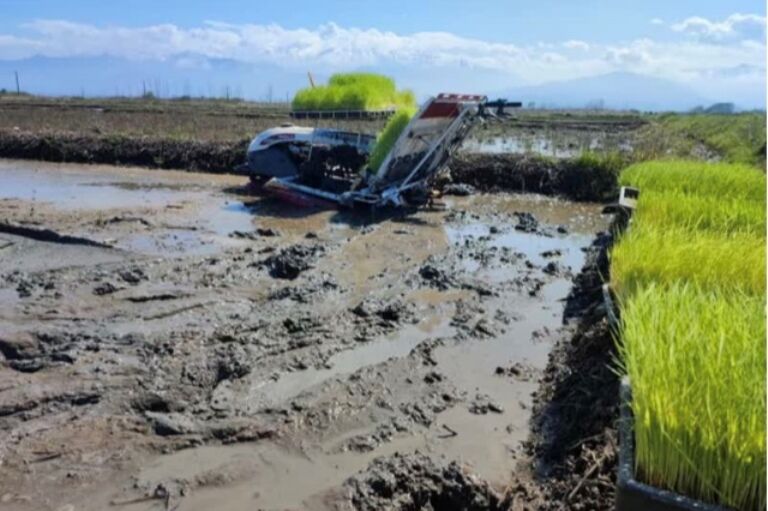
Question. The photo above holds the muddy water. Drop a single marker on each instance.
(289, 477)
(160, 213)
(398, 336)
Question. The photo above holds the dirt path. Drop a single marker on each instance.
(223, 350)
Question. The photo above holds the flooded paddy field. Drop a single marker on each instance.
(554, 144)
(564, 137)
(170, 342)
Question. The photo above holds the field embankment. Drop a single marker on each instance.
(738, 138)
(205, 156)
(589, 177)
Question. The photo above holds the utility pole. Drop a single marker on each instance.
(18, 89)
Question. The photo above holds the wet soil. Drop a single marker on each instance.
(574, 446)
(318, 359)
(572, 178)
(153, 152)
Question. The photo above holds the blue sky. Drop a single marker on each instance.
(715, 47)
(497, 20)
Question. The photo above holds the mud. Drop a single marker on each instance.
(417, 482)
(46, 235)
(150, 152)
(573, 178)
(338, 365)
(574, 449)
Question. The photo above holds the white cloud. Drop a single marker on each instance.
(329, 44)
(657, 21)
(12, 47)
(734, 26)
(576, 45)
(718, 46)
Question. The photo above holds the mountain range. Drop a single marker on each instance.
(193, 75)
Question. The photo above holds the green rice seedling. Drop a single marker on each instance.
(696, 362)
(701, 212)
(316, 98)
(406, 99)
(690, 274)
(722, 180)
(373, 80)
(387, 138)
(353, 97)
(651, 253)
(354, 91)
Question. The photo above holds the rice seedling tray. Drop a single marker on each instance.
(342, 114)
(633, 495)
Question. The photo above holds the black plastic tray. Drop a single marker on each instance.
(342, 114)
(632, 495)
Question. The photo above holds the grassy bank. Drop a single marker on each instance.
(738, 138)
(690, 274)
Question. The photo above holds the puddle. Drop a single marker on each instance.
(488, 441)
(577, 221)
(577, 217)
(531, 245)
(292, 221)
(76, 191)
(166, 212)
